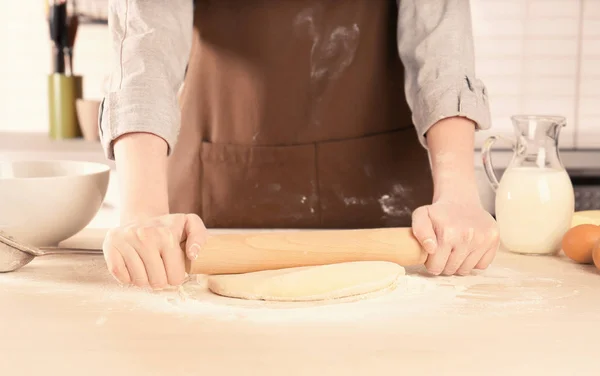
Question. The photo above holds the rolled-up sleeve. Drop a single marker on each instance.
(435, 43)
(151, 45)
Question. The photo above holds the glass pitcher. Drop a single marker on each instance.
(534, 198)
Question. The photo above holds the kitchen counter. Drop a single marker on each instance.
(39, 146)
(526, 315)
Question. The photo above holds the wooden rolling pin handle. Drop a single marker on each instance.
(244, 253)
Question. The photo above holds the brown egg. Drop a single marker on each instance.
(596, 256)
(579, 243)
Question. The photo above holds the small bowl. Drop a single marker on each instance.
(45, 202)
(87, 116)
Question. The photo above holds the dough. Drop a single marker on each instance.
(309, 282)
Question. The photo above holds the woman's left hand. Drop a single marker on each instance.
(458, 235)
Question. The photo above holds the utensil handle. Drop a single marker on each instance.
(486, 156)
(68, 62)
(243, 253)
(69, 251)
(59, 60)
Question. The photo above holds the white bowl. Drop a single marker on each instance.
(45, 202)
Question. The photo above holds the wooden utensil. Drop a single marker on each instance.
(72, 27)
(244, 253)
(58, 33)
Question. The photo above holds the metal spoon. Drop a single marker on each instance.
(14, 254)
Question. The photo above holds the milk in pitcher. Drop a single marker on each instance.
(534, 207)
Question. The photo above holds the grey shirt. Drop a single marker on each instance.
(152, 41)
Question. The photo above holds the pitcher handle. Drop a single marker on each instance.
(486, 157)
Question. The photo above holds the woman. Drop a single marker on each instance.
(294, 114)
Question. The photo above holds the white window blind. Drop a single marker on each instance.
(541, 57)
(588, 122)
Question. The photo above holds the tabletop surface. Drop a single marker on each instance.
(525, 315)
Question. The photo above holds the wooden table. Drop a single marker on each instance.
(526, 315)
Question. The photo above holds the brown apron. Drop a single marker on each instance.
(294, 116)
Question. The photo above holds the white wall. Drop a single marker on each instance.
(26, 62)
(538, 56)
(541, 56)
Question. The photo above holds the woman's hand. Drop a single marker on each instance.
(459, 236)
(151, 252)
(455, 230)
(147, 250)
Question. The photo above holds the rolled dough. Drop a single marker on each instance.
(310, 282)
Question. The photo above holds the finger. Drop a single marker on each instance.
(482, 255)
(174, 260)
(468, 243)
(117, 267)
(470, 261)
(134, 263)
(423, 231)
(148, 244)
(446, 239)
(435, 263)
(195, 233)
(487, 259)
(456, 259)
(489, 256)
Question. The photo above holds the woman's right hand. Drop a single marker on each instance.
(151, 252)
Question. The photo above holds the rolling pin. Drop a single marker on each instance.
(244, 253)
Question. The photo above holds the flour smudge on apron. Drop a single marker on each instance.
(331, 53)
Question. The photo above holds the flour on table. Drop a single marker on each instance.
(496, 291)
